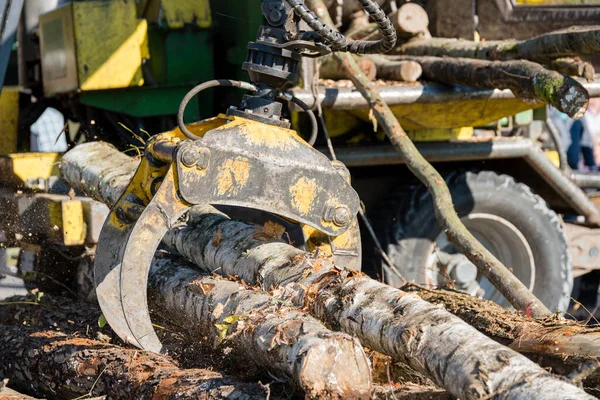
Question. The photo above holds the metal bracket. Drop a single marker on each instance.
(250, 164)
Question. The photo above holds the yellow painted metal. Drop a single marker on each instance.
(93, 45)
(180, 12)
(236, 171)
(19, 168)
(440, 135)
(108, 39)
(73, 224)
(176, 13)
(554, 157)
(9, 116)
(453, 114)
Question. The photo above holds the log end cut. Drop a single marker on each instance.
(348, 357)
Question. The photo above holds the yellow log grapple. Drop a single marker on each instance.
(245, 158)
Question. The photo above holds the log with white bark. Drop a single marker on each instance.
(263, 331)
(429, 339)
(278, 338)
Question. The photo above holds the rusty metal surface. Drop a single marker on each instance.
(250, 164)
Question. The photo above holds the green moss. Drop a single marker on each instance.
(545, 88)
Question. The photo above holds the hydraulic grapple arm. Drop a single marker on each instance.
(247, 158)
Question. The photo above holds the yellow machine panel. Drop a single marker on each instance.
(16, 169)
(92, 45)
(9, 117)
(177, 13)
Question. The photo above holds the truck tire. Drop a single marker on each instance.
(507, 217)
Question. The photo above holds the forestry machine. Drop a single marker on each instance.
(246, 158)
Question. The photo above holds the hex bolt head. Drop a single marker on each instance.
(190, 156)
(342, 216)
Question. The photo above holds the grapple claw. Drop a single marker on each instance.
(126, 248)
(237, 163)
(152, 225)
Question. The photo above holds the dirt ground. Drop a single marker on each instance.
(80, 320)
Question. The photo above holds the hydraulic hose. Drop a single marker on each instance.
(339, 42)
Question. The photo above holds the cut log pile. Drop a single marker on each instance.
(539, 70)
(227, 297)
(298, 317)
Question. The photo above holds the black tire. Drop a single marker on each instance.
(408, 229)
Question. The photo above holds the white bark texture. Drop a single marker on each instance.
(429, 339)
(263, 330)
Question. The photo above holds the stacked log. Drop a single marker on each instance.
(537, 70)
(399, 324)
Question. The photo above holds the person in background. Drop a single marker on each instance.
(585, 138)
(47, 133)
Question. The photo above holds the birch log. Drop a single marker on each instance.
(281, 339)
(527, 80)
(430, 340)
(63, 367)
(263, 331)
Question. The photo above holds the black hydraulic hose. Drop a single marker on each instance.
(341, 43)
(313, 120)
(200, 88)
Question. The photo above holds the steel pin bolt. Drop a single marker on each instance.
(338, 215)
(190, 156)
(341, 216)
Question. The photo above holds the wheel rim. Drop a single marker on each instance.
(503, 239)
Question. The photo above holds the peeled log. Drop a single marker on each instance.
(527, 80)
(430, 340)
(263, 331)
(331, 70)
(404, 71)
(62, 367)
(411, 20)
(572, 42)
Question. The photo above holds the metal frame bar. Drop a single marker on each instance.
(10, 14)
(495, 149)
(351, 99)
(550, 13)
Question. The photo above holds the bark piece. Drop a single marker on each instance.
(404, 71)
(527, 80)
(62, 367)
(263, 331)
(510, 287)
(572, 42)
(574, 67)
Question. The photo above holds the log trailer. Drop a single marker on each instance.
(500, 158)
